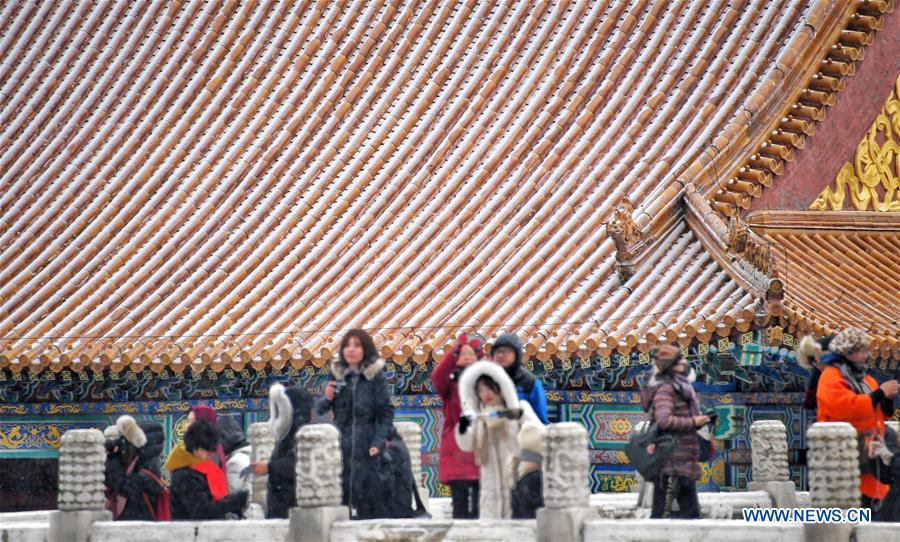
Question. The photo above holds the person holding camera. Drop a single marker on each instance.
(457, 468)
(133, 485)
(199, 488)
(670, 399)
(358, 394)
(492, 422)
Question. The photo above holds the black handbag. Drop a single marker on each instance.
(646, 463)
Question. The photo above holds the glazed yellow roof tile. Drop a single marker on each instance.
(222, 183)
(840, 270)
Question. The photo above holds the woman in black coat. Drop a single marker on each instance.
(290, 409)
(199, 489)
(358, 393)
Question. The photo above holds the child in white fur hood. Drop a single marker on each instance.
(492, 419)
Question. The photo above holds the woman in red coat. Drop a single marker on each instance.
(458, 468)
(847, 394)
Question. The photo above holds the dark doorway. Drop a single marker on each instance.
(28, 484)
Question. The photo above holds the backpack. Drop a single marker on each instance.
(398, 485)
(649, 464)
(161, 511)
(646, 463)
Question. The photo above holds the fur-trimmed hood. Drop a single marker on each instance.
(368, 369)
(468, 394)
(289, 408)
(656, 380)
(812, 351)
(111, 432)
(128, 428)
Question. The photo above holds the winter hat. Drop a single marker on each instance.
(474, 340)
(509, 340)
(849, 341)
(665, 356)
(129, 429)
(531, 437)
(205, 413)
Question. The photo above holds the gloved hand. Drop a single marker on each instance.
(236, 503)
(465, 421)
(881, 451)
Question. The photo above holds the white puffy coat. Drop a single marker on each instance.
(492, 438)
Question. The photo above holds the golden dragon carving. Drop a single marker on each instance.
(872, 181)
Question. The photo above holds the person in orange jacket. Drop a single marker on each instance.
(847, 394)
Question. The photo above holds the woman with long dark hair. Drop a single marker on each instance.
(358, 394)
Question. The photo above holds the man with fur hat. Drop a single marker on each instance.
(290, 409)
(508, 352)
(133, 469)
(490, 426)
(672, 403)
(847, 394)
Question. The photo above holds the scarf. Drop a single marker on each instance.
(683, 384)
(855, 376)
(215, 479)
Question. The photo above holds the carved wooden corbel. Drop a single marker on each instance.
(626, 236)
(738, 236)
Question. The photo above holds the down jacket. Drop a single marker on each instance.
(364, 415)
(493, 439)
(845, 394)
(455, 463)
(290, 409)
(137, 487)
(671, 410)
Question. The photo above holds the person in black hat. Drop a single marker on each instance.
(132, 474)
(508, 352)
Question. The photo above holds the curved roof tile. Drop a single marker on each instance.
(181, 177)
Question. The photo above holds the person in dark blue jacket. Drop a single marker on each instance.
(507, 351)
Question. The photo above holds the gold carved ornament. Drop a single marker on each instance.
(875, 165)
